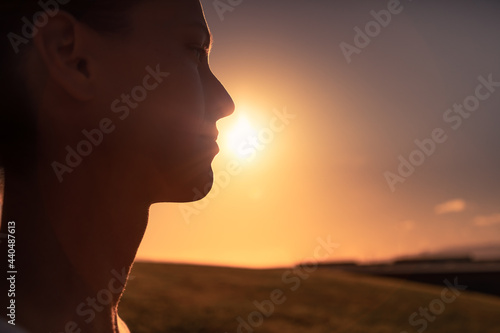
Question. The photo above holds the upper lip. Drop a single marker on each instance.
(211, 134)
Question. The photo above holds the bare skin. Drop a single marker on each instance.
(77, 232)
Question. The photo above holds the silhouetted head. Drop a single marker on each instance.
(119, 93)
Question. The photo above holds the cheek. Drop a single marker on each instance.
(179, 100)
(170, 116)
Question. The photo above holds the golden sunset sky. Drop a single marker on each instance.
(317, 133)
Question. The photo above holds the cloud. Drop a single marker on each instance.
(486, 221)
(452, 206)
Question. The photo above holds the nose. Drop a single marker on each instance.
(218, 101)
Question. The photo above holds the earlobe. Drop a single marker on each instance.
(61, 45)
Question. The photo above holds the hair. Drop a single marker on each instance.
(18, 118)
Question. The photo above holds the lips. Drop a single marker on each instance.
(211, 135)
(210, 142)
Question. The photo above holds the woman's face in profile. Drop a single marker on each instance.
(156, 87)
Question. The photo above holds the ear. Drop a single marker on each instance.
(63, 46)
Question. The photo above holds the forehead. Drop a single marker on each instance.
(168, 13)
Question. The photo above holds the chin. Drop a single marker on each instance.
(201, 187)
(186, 177)
(189, 190)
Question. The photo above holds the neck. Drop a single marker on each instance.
(75, 245)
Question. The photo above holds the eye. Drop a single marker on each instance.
(200, 52)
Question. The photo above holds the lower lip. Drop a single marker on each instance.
(211, 144)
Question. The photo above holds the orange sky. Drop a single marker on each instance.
(323, 172)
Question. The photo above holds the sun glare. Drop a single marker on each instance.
(238, 135)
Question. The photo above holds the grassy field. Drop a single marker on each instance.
(181, 298)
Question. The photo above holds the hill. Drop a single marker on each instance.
(182, 298)
(479, 276)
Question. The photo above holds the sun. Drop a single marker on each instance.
(237, 135)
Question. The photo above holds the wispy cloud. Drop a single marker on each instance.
(452, 206)
(486, 221)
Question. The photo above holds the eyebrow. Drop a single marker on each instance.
(204, 27)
